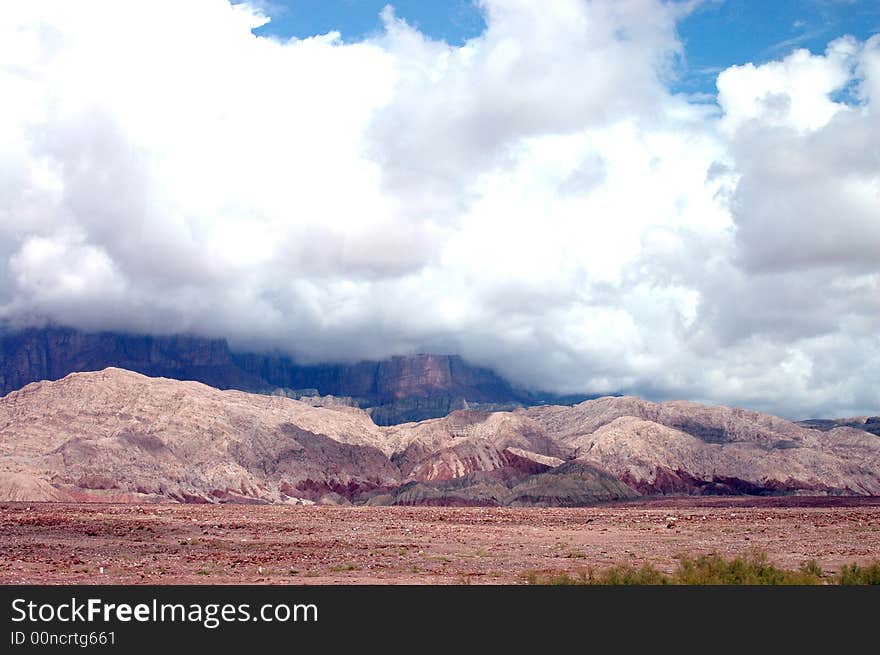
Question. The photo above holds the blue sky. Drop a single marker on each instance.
(726, 32)
(719, 33)
(454, 21)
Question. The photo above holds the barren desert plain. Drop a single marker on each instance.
(54, 543)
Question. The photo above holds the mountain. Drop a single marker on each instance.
(122, 436)
(686, 447)
(121, 431)
(396, 390)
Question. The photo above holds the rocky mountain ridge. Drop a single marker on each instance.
(118, 435)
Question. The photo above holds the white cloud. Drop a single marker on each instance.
(807, 194)
(535, 199)
(794, 92)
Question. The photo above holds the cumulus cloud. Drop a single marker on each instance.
(536, 199)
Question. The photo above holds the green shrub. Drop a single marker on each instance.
(752, 569)
(565, 579)
(626, 574)
(343, 567)
(811, 568)
(853, 574)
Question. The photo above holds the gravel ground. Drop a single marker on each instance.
(50, 543)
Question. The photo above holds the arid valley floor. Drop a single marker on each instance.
(51, 543)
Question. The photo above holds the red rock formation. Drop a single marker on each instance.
(123, 437)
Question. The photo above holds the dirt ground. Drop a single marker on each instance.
(48, 543)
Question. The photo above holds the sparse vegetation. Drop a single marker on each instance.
(811, 567)
(853, 574)
(752, 569)
(344, 567)
(627, 574)
(624, 574)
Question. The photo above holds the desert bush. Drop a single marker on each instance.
(751, 569)
(853, 574)
(624, 574)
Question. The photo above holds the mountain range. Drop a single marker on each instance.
(119, 435)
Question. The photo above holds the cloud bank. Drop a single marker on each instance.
(536, 199)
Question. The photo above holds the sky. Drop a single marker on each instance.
(715, 34)
(671, 199)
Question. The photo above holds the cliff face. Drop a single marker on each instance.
(398, 378)
(51, 353)
(396, 390)
(355, 380)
